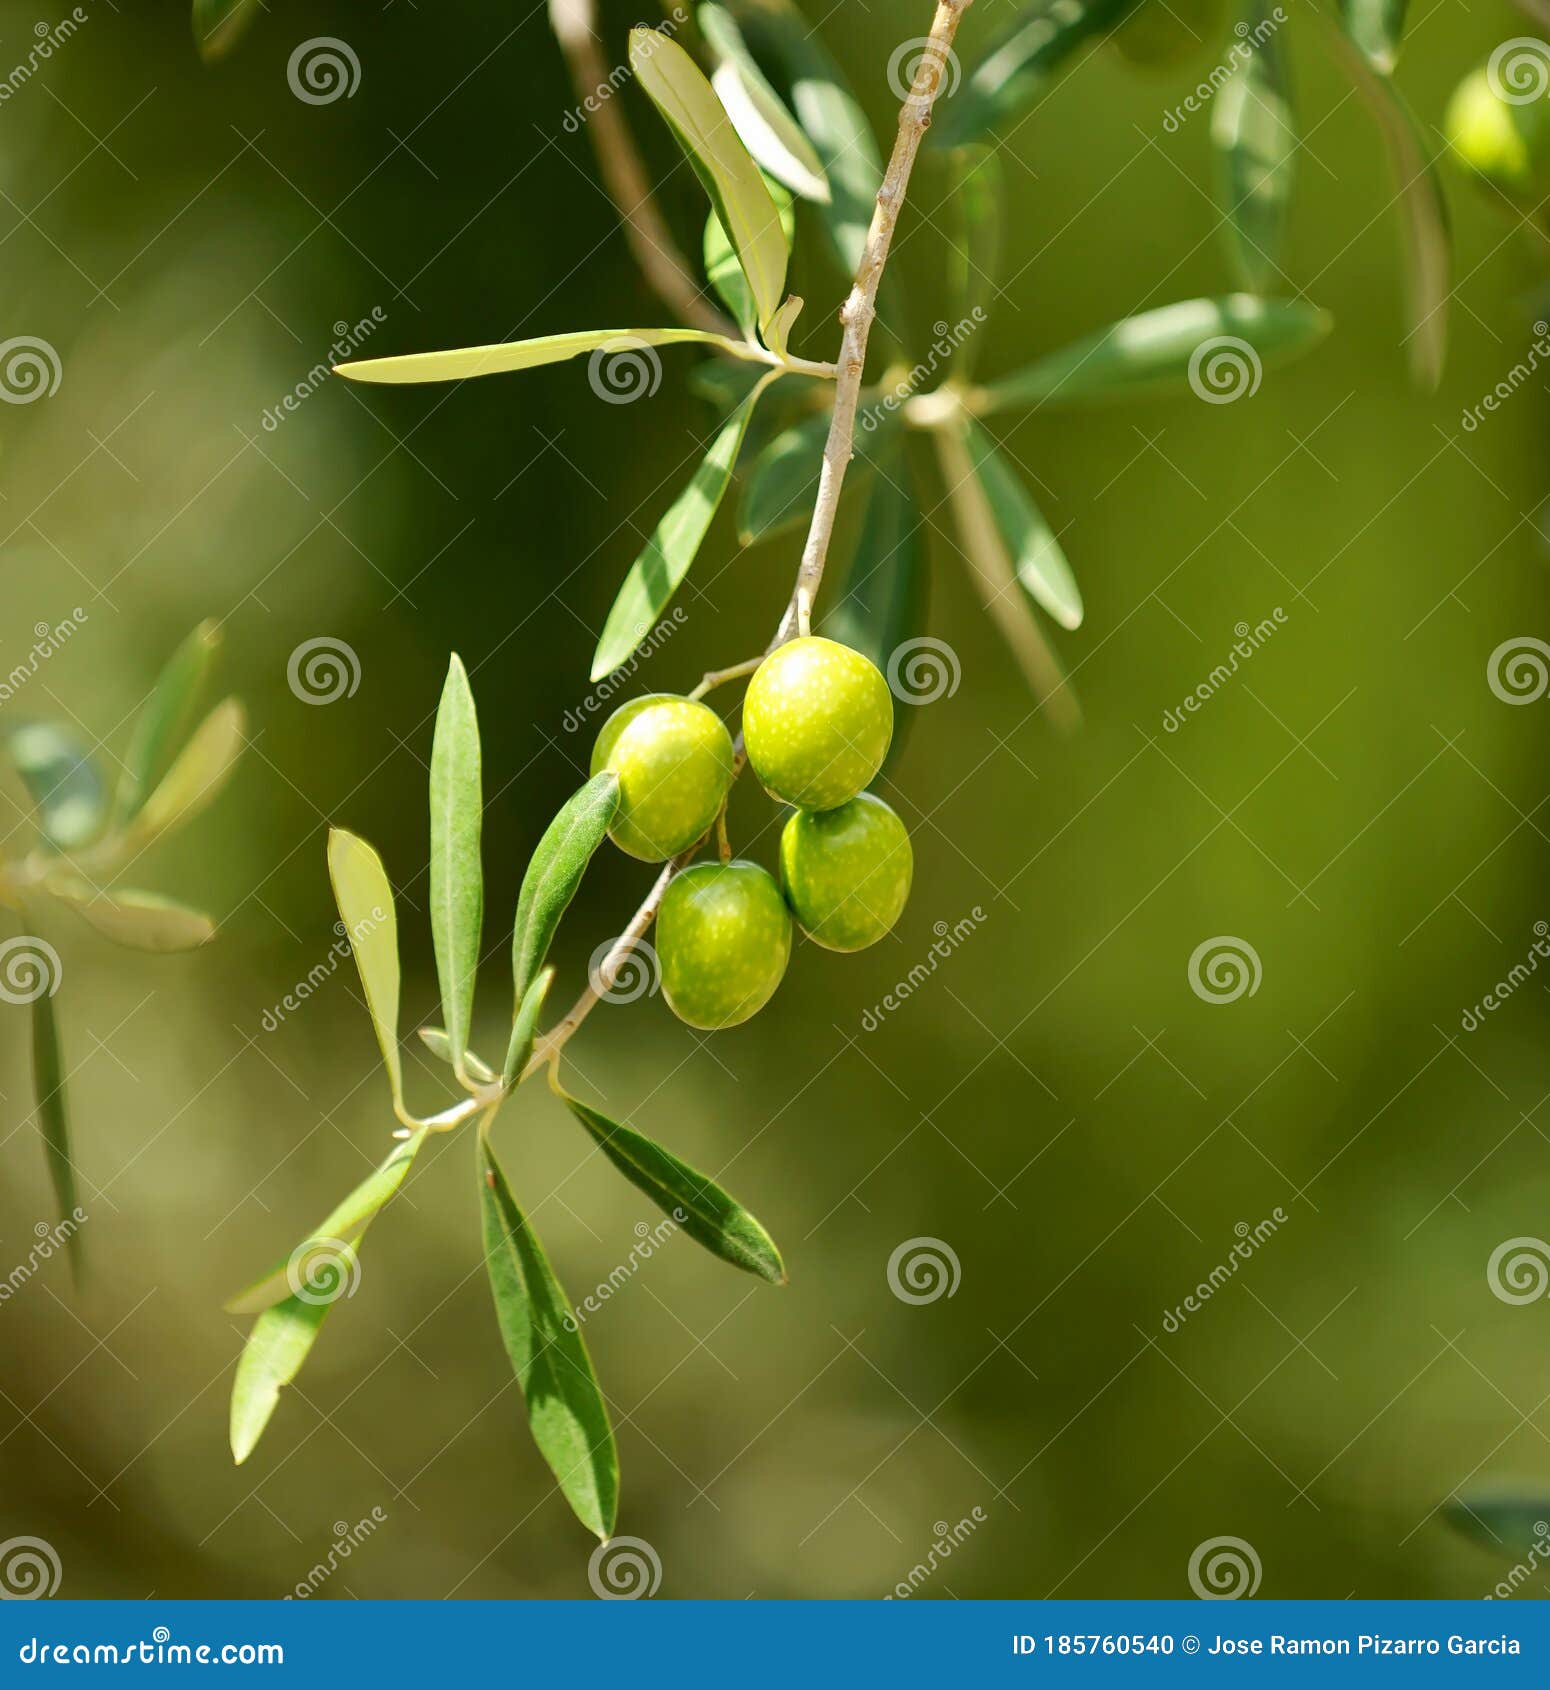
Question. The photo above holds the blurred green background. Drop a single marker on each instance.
(1057, 1105)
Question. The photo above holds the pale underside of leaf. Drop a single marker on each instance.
(464, 363)
(197, 775)
(769, 131)
(141, 920)
(456, 874)
(1254, 134)
(436, 1042)
(366, 907)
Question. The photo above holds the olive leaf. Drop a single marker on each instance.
(1254, 134)
(708, 1214)
(62, 779)
(197, 775)
(1157, 350)
(288, 1323)
(48, 1081)
(554, 872)
(524, 1028)
(565, 1408)
(457, 879)
(366, 907)
(699, 122)
(1375, 27)
(220, 24)
(1037, 559)
(164, 720)
(1016, 63)
(437, 1043)
(758, 113)
(463, 363)
(1510, 1522)
(975, 255)
(725, 274)
(143, 921)
(655, 575)
(783, 482)
(831, 119)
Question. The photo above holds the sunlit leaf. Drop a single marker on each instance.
(1158, 349)
(463, 363)
(708, 1214)
(62, 779)
(699, 122)
(48, 1081)
(165, 717)
(524, 1029)
(1254, 133)
(143, 921)
(197, 775)
(1016, 63)
(655, 575)
(768, 130)
(436, 1042)
(554, 873)
(725, 274)
(1037, 560)
(220, 24)
(778, 330)
(457, 877)
(974, 261)
(565, 1408)
(365, 900)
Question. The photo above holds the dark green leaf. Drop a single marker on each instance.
(457, 879)
(655, 575)
(524, 1029)
(1037, 559)
(56, 766)
(1510, 1522)
(783, 482)
(166, 715)
(48, 1079)
(1016, 63)
(1254, 132)
(565, 1408)
(555, 871)
(1375, 26)
(1158, 349)
(708, 1214)
(975, 260)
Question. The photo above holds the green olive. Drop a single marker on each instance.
(723, 940)
(673, 757)
(817, 719)
(1500, 140)
(846, 872)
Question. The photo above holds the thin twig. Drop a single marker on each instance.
(856, 317)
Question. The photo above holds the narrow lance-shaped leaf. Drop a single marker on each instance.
(365, 900)
(524, 1029)
(699, 122)
(143, 921)
(457, 877)
(285, 1331)
(165, 717)
(435, 1041)
(465, 362)
(770, 133)
(1037, 560)
(1512, 1522)
(1157, 350)
(565, 1408)
(975, 259)
(1375, 26)
(655, 575)
(1254, 134)
(62, 779)
(725, 274)
(197, 775)
(708, 1214)
(832, 120)
(783, 482)
(1016, 63)
(555, 871)
(48, 1078)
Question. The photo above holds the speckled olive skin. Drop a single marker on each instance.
(817, 719)
(846, 872)
(673, 757)
(723, 939)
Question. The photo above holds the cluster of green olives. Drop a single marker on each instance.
(817, 722)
